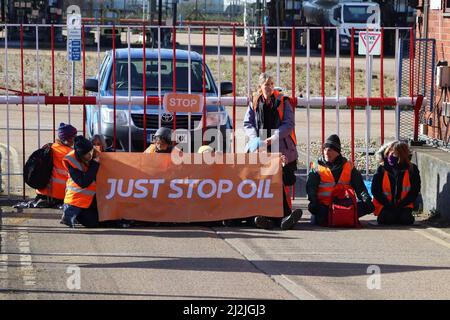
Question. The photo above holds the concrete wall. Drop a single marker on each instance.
(434, 166)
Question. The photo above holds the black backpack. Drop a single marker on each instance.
(38, 168)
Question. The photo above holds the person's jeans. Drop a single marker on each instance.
(70, 215)
(86, 217)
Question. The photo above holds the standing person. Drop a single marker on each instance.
(396, 185)
(327, 173)
(53, 194)
(270, 122)
(79, 203)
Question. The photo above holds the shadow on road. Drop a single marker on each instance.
(294, 268)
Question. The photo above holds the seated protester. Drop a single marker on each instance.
(163, 142)
(79, 202)
(333, 166)
(53, 194)
(98, 141)
(396, 185)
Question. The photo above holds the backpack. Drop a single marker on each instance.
(38, 168)
(343, 211)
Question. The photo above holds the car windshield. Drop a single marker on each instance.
(357, 14)
(151, 75)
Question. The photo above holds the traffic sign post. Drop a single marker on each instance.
(371, 42)
(73, 36)
(369, 45)
(73, 41)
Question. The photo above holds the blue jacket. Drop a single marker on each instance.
(253, 124)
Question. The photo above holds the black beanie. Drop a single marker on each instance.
(82, 146)
(333, 142)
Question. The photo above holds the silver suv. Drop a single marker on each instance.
(101, 120)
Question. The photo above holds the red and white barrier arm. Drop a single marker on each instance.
(226, 101)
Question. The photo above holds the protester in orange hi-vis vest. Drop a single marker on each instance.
(270, 124)
(396, 185)
(328, 172)
(79, 203)
(53, 194)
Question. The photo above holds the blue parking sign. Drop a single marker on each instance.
(74, 48)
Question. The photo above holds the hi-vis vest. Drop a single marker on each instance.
(327, 183)
(75, 195)
(56, 187)
(278, 98)
(406, 187)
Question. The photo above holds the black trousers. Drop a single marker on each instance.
(402, 216)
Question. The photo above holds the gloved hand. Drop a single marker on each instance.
(254, 144)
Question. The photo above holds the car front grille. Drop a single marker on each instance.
(152, 121)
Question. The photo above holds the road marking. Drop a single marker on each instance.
(282, 280)
(442, 233)
(26, 262)
(15, 167)
(3, 263)
(4, 279)
(433, 238)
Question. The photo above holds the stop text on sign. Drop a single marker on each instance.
(182, 102)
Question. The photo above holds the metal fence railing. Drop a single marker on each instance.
(333, 92)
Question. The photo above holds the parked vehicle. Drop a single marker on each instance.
(101, 120)
(342, 14)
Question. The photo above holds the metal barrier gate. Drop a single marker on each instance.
(326, 88)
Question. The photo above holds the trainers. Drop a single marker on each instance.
(23, 205)
(41, 203)
(290, 221)
(67, 223)
(263, 223)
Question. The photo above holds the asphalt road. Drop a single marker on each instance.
(41, 259)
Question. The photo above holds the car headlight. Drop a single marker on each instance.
(108, 116)
(214, 119)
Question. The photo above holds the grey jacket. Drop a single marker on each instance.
(253, 125)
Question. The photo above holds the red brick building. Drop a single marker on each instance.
(434, 22)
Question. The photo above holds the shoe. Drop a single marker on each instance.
(67, 223)
(290, 221)
(23, 205)
(41, 203)
(230, 223)
(263, 223)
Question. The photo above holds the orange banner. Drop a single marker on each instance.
(153, 187)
